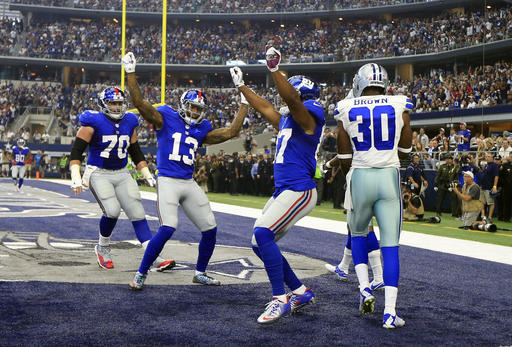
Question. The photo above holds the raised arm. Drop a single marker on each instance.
(290, 96)
(261, 105)
(147, 111)
(224, 134)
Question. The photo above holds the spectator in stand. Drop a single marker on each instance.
(423, 138)
(505, 149)
(463, 137)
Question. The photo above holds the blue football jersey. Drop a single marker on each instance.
(295, 160)
(108, 148)
(177, 143)
(19, 155)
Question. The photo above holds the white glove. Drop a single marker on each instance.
(243, 100)
(284, 110)
(148, 176)
(436, 189)
(238, 76)
(76, 179)
(129, 62)
(273, 57)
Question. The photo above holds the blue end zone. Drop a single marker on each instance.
(445, 299)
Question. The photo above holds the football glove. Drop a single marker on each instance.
(237, 76)
(436, 189)
(273, 57)
(243, 100)
(129, 62)
(148, 176)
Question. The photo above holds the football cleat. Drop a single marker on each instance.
(161, 265)
(392, 322)
(138, 281)
(366, 301)
(103, 256)
(205, 279)
(376, 285)
(340, 274)
(297, 301)
(275, 310)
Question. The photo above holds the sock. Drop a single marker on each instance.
(390, 295)
(299, 291)
(376, 265)
(145, 244)
(272, 258)
(290, 278)
(154, 247)
(391, 268)
(359, 250)
(362, 275)
(106, 226)
(346, 261)
(371, 242)
(348, 244)
(282, 298)
(142, 231)
(206, 247)
(20, 182)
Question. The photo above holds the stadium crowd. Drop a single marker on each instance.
(10, 29)
(199, 43)
(219, 6)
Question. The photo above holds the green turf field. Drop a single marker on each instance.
(448, 226)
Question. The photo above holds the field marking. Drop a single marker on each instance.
(466, 248)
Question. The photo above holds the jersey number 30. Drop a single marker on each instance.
(384, 127)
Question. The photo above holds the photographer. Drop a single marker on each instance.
(412, 203)
(471, 204)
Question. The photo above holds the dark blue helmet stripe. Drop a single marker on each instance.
(374, 72)
(380, 73)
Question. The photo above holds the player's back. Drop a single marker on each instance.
(295, 160)
(109, 144)
(374, 125)
(177, 143)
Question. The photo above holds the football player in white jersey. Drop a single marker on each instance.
(373, 129)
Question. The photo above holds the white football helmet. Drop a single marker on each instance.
(370, 75)
(20, 143)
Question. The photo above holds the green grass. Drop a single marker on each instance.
(448, 226)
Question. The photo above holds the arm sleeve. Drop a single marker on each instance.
(78, 149)
(136, 153)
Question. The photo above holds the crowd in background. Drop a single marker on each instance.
(202, 43)
(440, 90)
(220, 6)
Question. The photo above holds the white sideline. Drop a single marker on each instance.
(472, 249)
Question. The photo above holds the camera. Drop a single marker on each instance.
(405, 197)
(453, 184)
(487, 227)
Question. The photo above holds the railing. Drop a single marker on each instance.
(432, 161)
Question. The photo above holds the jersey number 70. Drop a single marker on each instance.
(383, 131)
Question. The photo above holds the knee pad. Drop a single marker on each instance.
(263, 236)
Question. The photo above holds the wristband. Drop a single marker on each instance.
(146, 173)
(344, 156)
(405, 150)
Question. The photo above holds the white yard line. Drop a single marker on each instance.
(472, 249)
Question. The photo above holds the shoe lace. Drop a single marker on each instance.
(273, 308)
(205, 278)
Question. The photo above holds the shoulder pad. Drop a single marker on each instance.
(88, 118)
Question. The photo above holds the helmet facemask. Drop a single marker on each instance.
(112, 103)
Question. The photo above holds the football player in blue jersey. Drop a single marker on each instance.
(179, 134)
(300, 129)
(111, 136)
(373, 129)
(20, 154)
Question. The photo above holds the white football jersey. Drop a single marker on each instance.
(374, 124)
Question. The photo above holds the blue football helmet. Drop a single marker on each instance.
(112, 102)
(307, 88)
(370, 75)
(192, 97)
